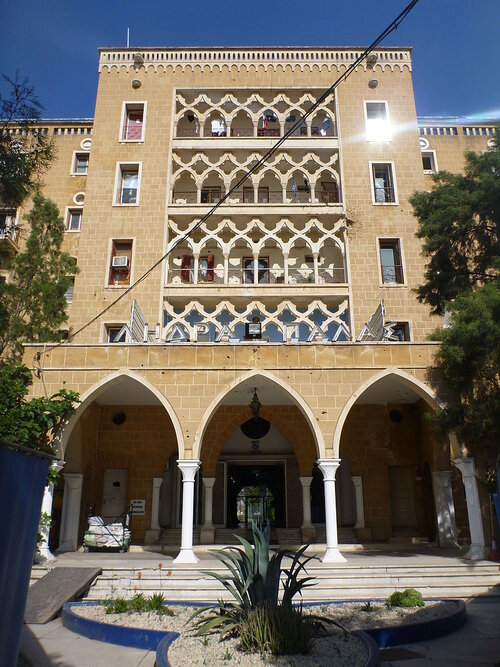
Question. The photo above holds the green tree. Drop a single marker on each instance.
(459, 222)
(32, 303)
(25, 151)
(35, 423)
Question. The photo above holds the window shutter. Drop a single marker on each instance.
(210, 268)
(186, 268)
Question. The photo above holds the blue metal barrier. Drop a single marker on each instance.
(23, 474)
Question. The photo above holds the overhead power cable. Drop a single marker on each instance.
(300, 121)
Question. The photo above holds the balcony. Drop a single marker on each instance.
(9, 233)
(247, 277)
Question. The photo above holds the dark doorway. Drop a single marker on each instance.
(255, 492)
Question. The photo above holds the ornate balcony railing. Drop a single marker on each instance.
(247, 276)
(264, 196)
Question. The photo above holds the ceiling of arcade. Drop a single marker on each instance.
(287, 418)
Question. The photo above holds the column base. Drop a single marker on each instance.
(308, 533)
(44, 556)
(186, 556)
(476, 552)
(152, 536)
(207, 535)
(333, 555)
(65, 547)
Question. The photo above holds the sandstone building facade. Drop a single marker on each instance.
(289, 312)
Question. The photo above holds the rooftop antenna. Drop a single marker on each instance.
(128, 37)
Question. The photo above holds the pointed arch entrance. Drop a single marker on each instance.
(117, 448)
(403, 481)
(233, 459)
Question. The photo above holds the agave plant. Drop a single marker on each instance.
(254, 581)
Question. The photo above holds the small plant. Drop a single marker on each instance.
(155, 603)
(205, 640)
(278, 630)
(367, 606)
(138, 603)
(227, 655)
(256, 614)
(408, 598)
(117, 606)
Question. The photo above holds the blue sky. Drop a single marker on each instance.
(54, 43)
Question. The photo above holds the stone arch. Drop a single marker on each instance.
(419, 387)
(298, 400)
(100, 387)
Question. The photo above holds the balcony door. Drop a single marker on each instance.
(262, 270)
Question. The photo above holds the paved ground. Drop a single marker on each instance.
(475, 645)
(365, 558)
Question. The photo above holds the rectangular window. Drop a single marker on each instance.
(262, 270)
(210, 195)
(263, 194)
(120, 263)
(390, 261)
(113, 333)
(377, 121)
(248, 195)
(429, 161)
(384, 191)
(74, 220)
(69, 292)
(401, 332)
(133, 122)
(128, 184)
(329, 193)
(8, 227)
(80, 164)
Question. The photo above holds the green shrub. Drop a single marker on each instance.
(408, 598)
(155, 603)
(118, 606)
(278, 630)
(138, 603)
(254, 581)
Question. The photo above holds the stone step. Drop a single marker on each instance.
(333, 582)
(171, 537)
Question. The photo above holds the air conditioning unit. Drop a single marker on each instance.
(120, 262)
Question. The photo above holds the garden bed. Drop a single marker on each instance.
(339, 648)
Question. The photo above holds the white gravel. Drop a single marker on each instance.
(338, 649)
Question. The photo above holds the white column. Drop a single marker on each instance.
(256, 269)
(285, 268)
(188, 469)
(226, 268)
(208, 486)
(306, 501)
(445, 509)
(196, 268)
(307, 530)
(329, 467)
(207, 532)
(68, 540)
(468, 469)
(155, 503)
(44, 553)
(358, 498)
(316, 267)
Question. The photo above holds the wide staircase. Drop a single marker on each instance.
(441, 578)
(284, 537)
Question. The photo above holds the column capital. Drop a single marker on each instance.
(208, 482)
(329, 468)
(466, 465)
(306, 481)
(57, 465)
(188, 468)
